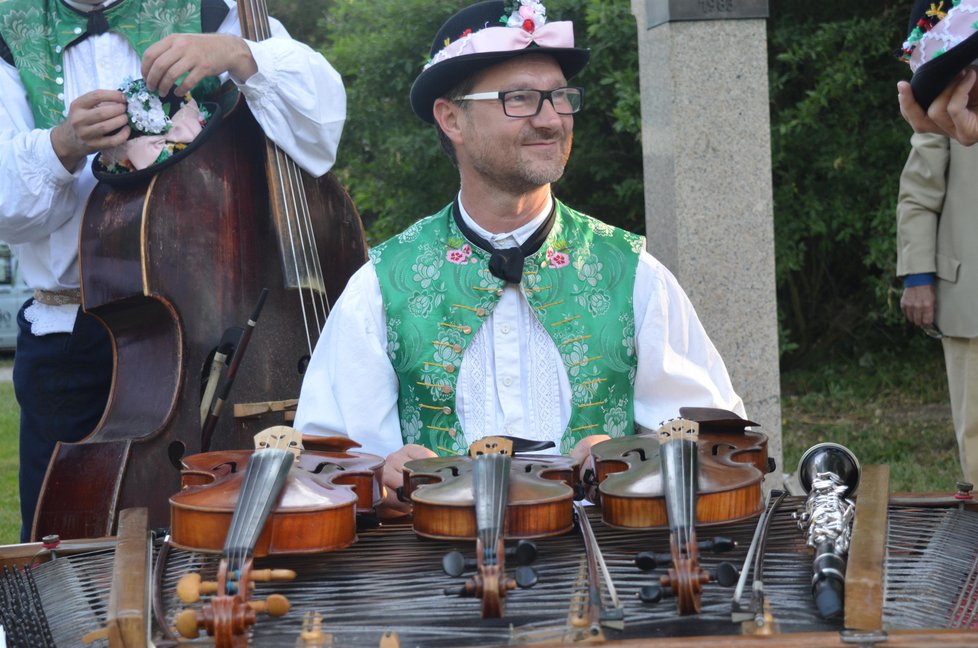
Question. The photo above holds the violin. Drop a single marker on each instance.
(316, 511)
(489, 496)
(695, 477)
(731, 462)
(276, 500)
(539, 499)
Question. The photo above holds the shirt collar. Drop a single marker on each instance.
(513, 238)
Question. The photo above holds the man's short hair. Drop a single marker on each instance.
(460, 90)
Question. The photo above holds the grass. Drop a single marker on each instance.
(9, 424)
(883, 408)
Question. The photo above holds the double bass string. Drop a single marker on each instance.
(305, 260)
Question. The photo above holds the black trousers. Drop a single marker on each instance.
(62, 383)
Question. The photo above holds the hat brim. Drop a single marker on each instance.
(933, 77)
(438, 79)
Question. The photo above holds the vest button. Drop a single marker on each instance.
(446, 389)
(481, 312)
(447, 411)
(450, 368)
(457, 348)
(499, 293)
(467, 329)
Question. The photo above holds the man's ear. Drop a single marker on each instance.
(448, 115)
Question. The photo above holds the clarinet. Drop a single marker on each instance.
(829, 473)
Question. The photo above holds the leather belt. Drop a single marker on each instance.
(58, 297)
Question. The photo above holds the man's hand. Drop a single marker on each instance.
(392, 507)
(953, 113)
(582, 451)
(918, 303)
(197, 56)
(96, 121)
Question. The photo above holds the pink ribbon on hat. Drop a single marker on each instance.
(143, 151)
(508, 39)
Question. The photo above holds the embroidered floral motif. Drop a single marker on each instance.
(411, 424)
(589, 270)
(459, 255)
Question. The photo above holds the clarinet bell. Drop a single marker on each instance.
(829, 458)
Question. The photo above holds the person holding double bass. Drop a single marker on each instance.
(62, 62)
(507, 312)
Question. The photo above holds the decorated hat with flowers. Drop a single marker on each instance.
(487, 33)
(943, 40)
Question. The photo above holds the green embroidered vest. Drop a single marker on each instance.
(438, 290)
(38, 31)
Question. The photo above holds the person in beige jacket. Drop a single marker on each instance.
(937, 257)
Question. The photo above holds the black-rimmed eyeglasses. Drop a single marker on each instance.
(527, 103)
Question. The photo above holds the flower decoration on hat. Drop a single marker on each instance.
(528, 15)
(156, 136)
(931, 16)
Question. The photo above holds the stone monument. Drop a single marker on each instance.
(707, 165)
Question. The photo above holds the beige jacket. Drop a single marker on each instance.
(937, 227)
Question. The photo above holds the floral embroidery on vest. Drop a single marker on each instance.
(438, 290)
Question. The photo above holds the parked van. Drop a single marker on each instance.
(13, 293)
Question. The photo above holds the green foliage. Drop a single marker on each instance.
(838, 145)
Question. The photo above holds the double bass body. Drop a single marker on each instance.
(169, 266)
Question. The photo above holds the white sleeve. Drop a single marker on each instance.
(37, 194)
(678, 366)
(350, 386)
(296, 96)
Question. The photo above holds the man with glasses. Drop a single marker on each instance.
(507, 312)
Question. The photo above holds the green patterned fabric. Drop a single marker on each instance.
(38, 32)
(438, 290)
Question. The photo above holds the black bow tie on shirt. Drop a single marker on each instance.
(97, 23)
(507, 263)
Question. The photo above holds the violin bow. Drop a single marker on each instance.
(210, 422)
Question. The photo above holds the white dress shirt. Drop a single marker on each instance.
(296, 96)
(512, 379)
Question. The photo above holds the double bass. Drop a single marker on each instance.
(172, 266)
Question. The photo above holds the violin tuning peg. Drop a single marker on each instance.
(275, 605)
(650, 593)
(525, 552)
(719, 544)
(455, 564)
(188, 588)
(526, 577)
(187, 624)
(649, 560)
(726, 574)
(267, 575)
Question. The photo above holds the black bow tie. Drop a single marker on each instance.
(507, 263)
(97, 23)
